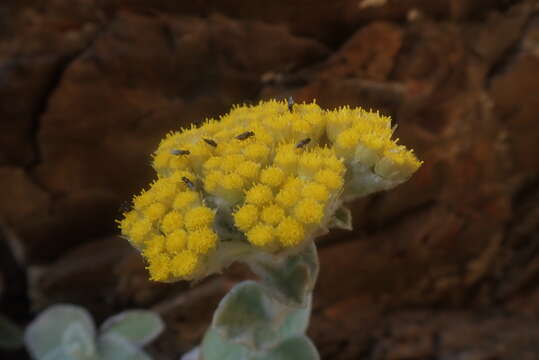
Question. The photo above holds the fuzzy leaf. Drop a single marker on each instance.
(248, 316)
(139, 327)
(115, 347)
(10, 334)
(193, 354)
(215, 347)
(244, 314)
(294, 348)
(290, 279)
(296, 322)
(342, 219)
(61, 330)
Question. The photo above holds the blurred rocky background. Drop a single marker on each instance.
(445, 267)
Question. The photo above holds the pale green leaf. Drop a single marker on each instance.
(115, 347)
(63, 329)
(294, 348)
(215, 347)
(139, 327)
(342, 219)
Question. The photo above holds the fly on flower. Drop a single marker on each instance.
(245, 135)
(272, 193)
(303, 143)
(180, 152)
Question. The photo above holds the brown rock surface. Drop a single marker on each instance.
(444, 267)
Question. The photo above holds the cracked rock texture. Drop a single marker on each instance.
(444, 267)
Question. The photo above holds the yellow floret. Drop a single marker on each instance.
(212, 163)
(280, 125)
(185, 264)
(289, 195)
(290, 232)
(171, 221)
(164, 189)
(301, 127)
(309, 211)
(272, 214)
(140, 230)
(159, 267)
(144, 199)
(248, 169)
(161, 160)
(230, 162)
(397, 164)
(127, 222)
(259, 195)
(169, 141)
(202, 240)
(212, 180)
(262, 135)
(176, 241)
(332, 163)
(286, 158)
(199, 151)
(310, 163)
(154, 246)
(256, 152)
(330, 179)
(155, 211)
(261, 235)
(315, 191)
(272, 176)
(177, 162)
(232, 182)
(185, 199)
(347, 141)
(245, 217)
(316, 119)
(199, 216)
(375, 142)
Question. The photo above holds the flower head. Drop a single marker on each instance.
(264, 177)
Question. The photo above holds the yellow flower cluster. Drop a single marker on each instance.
(172, 227)
(365, 137)
(274, 173)
(291, 197)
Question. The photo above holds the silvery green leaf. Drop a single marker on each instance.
(139, 327)
(289, 279)
(61, 329)
(10, 334)
(215, 347)
(76, 342)
(243, 315)
(342, 219)
(193, 354)
(115, 347)
(296, 322)
(248, 316)
(294, 348)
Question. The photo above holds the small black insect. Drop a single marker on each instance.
(303, 143)
(188, 182)
(210, 142)
(245, 135)
(180, 152)
(290, 103)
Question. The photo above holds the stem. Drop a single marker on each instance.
(266, 319)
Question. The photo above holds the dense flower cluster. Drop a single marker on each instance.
(268, 176)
